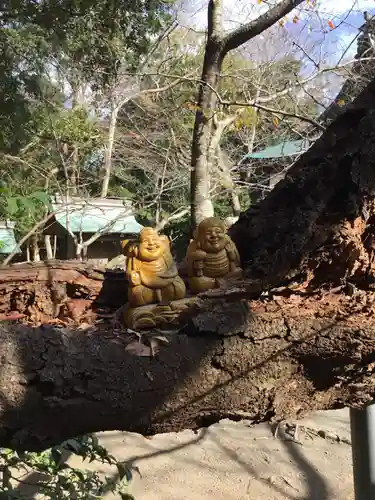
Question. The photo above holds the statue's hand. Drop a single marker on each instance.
(198, 266)
(135, 278)
(230, 249)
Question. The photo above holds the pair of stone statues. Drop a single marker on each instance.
(156, 293)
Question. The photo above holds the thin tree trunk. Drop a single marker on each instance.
(251, 140)
(107, 167)
(236, 205)
(201, 204)
(74, 172)
(47, 242)
(247, 169)
(217, 46)
(54, 246)
(35, 248)
(78, 250)
(228, 183)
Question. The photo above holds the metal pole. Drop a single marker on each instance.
(362, 428)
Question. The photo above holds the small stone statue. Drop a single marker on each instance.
(154, 283)
(152, 272)
(211, 256)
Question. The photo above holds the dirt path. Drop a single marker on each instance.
(235, 461)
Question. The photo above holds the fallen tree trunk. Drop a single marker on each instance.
(299, 348)
(277, 359)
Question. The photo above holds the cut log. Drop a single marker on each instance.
(272, 359)
(44, 290)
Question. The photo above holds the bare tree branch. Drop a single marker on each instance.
(171, 218)
(248, 31)
(274, 111)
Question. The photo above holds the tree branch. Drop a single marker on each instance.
(27, 236)
(245, 33)
(171, 218)
(167, 87)
(275, 112)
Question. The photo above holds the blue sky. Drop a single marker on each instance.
(346, 16)
(325, 33)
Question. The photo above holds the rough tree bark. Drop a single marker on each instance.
(307, 344)
(218, 45)
(280, 360)
(318, 224)
(49, 290)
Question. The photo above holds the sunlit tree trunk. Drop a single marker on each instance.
(107, 167)
(217, 46)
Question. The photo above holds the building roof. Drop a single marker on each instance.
(7, 239)
(282, 150)
(95, 214)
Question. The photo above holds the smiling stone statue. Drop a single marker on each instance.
(211, 256)
(155, 288)
(152, 273)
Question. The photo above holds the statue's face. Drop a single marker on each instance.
(150, 246)
(212, 239)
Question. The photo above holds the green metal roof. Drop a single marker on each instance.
(91, 218)
(284, 149)
(7, 241)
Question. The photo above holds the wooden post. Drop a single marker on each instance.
(54, 246)
(47, 242)
(362, 427)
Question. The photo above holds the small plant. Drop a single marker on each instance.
(60, 480)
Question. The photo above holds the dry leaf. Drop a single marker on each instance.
(162, 339)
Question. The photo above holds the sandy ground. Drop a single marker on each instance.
(237, 461)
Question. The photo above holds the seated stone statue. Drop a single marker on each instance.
(151, 271)
(211, 256)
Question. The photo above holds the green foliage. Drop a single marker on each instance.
(54, 134)
(60, 480)
(93, 35)
(23, 57)
(26, 210)
(180, 234)
(223, 207)
(75, 129)
(50, 52)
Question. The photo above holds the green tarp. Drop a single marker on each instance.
(91, 218)
(284, 149)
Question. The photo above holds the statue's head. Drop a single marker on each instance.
(151, 245)
(211, 235)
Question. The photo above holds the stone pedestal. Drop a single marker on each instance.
(158, 315)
